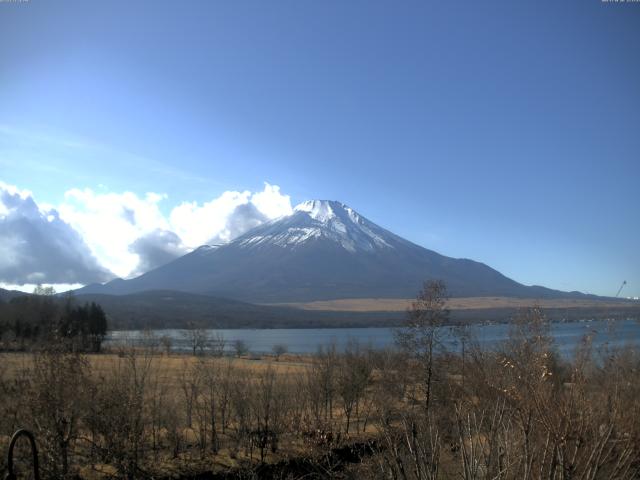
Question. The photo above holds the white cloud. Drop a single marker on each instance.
(13, 191)
(130, 234)
(123, 233)
(36, 245)
(271, 202)
(30, 287)
(227, 216)
(198, 224)
(111, 222)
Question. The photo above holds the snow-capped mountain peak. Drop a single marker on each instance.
(324, 250)
(326, 210)
(321, 210)
(320, 220)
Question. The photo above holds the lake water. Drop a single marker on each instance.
(567, 335)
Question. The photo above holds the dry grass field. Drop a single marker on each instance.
(462, 303)
(177, 396)
(170, 368)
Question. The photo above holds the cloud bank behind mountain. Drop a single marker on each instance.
(95, 236)
(37, 246)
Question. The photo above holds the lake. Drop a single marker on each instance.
(567, 335)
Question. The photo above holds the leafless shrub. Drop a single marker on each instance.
(190, 379)
(57, 400)
(118, 419)
(217, 344)
(240, 347)
(354, 376)
(279, 350)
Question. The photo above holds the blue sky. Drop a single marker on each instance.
(507, 132)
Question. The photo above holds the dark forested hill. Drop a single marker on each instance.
(173, 309)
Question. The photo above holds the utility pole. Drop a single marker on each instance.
(620, 289)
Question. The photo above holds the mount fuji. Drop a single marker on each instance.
(324, 250)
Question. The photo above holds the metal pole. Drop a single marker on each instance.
(34, 451)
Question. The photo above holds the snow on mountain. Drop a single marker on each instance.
(315, 220)
(320, 209)
(323, 250)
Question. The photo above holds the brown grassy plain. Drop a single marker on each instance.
(171, 365)
(462, 303)
(167, 378)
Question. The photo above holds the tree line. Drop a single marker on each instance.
(43, 319)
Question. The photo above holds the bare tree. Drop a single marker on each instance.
(279, 349)
(60, 387)
(354, 375)
(224, 390)
(240, 347)
(218, 344)
(323, 383)
(158, 406)
(420, 336)
(167, 343)
(208, 402)
(197, 338)
(189, 385)
(241, 407)
(263, 402)
(119, 413)
(413, 444)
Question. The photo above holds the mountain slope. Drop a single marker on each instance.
(172, 309)
(6, 295)
(324, 250)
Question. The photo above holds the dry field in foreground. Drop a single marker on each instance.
(171, 366)
(521, 411)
